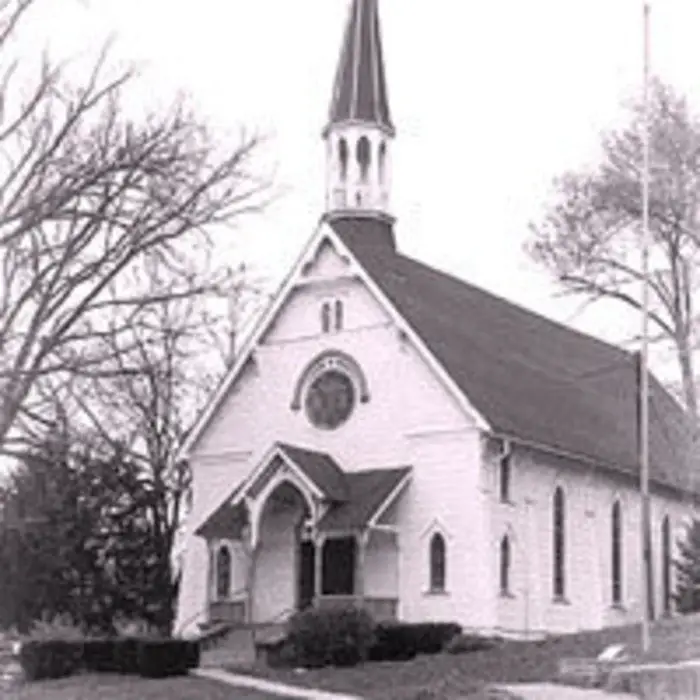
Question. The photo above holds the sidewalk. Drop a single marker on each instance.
(550, 691)
(280, 689)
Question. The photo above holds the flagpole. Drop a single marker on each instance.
(644, 357)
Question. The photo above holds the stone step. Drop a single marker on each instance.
(236, 648)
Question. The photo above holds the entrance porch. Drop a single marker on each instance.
(301, 532)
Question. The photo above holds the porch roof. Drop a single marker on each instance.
(354, 498)
(321, 469)
(225, 520)
(368, 491)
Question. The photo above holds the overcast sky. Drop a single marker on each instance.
(491, 98)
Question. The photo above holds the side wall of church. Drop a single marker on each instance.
(527, 518)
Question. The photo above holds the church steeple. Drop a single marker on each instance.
(360, 131)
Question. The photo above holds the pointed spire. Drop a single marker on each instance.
(359, 92)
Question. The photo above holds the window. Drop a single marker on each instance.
(505, 565)
(382, 162)
(504, 478)
(223, 573)
(343, 158)
(363, 157)
(338, 564)
(559, 544)
(666, 564)
(325, 317)
(338, 315)
(438, 563)
(330, 399)
(616, 564)
(332, 316)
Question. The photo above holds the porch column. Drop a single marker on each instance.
(362, 539)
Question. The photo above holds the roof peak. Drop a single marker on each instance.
(359, 90)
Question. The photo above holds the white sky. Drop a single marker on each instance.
(491, 98)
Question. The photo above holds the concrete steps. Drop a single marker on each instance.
(238, 646)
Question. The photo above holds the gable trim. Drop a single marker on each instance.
(388, 501)
(402, 324)
(262, 325)
(278, 451)
(292, 280)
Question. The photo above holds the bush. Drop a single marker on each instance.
(401, 641)
(111, 655)
(330, 637)
(158, 658)
(50, 658)
(467, 643)
(59, 626)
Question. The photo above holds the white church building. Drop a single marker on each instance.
(395, 438)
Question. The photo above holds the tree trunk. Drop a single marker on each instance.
(685, 361)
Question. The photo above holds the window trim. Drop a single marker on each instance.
(326, 325)
(617, 554)
(505, 561)
(220, 547)
(505, 478)
(666, 566)
(437, 567)
(559, 545)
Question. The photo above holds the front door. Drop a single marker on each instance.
(307, 566)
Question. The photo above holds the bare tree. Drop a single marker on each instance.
(589, 238)
(90, 199)
(153, 377)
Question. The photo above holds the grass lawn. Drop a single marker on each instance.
(513, 662)
(437, 676)
(108, 687)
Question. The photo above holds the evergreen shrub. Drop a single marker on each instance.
(329, 637)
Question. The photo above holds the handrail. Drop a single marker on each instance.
(205, 609)
(271, 621)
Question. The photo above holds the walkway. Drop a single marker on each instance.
(281, 689)
(550, 691)
(530, 691)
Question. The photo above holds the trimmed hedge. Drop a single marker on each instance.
(468, 643)
(111, 655)
(402, 641)
(43, 659)
(50, 658)
(167, 657)
(329, 637)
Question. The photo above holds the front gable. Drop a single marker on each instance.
(289, 339)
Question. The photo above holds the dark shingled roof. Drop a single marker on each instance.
(360, 92)
(530, 378)
(322, 469)
(368, 490)
(354, 497)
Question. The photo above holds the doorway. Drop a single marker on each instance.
(307, 568)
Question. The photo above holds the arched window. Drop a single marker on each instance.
(382, 162)
(559, 544)
(363, 157)
(343, 158)
(438, 562)
(338, 315)
(326, 317)
(616, 563)
(504, 478)
(223, 573)
(505, 565)
(666, 564)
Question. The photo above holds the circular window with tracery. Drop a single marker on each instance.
(330, 399)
